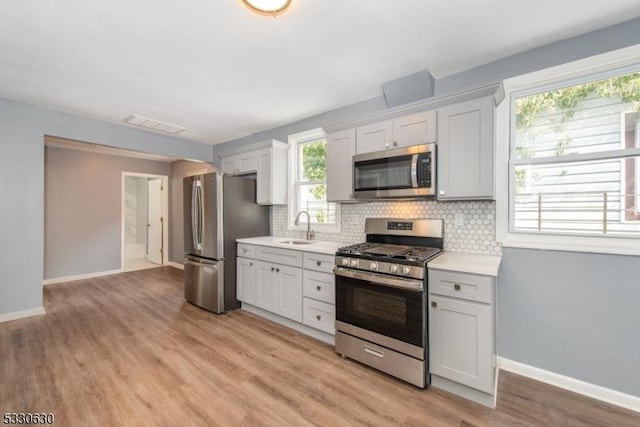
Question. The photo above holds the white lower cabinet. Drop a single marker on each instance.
(246, 280)
(462, 348)
(292, 284)
(279, 289)
(460, 334)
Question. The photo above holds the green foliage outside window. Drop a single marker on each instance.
(314, 165)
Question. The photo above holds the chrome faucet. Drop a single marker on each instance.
(297, 222)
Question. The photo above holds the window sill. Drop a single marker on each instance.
(600, 245)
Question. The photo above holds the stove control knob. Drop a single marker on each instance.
(373, 266)
(393, 268)
(353, 263)
(344, 262)
(406, 270)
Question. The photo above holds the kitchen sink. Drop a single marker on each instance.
(297, 242)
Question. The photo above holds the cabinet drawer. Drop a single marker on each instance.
(319, 315)
(471, 287)
(246, 251)
(319, 262)
(320, 286)
(280, 256)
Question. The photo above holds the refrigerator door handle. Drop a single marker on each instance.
(195, 215)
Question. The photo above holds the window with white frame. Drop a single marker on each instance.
(309, 183)
(574, 157)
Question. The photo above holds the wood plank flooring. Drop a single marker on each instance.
(127, 350)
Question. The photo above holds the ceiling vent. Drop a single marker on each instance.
(145, 122)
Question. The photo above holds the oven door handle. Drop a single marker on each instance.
(411, 285)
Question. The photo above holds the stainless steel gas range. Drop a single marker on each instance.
(381, 296)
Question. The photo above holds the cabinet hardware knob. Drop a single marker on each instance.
(250, 264)
(277, 270)
(272, 269)
(318, 287)
(386, 145)
(442, 192)
(434, 304)
(318, 317)
(456, 287)
(319, 263)
(395, 143)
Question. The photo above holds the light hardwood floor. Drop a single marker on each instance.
(127, 350)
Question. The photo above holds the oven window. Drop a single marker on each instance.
(381, 174)
(393, 312)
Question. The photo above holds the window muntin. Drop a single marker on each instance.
(569, 152)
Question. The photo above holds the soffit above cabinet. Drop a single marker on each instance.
(494, 89)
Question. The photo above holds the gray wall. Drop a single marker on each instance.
(82, 209)
(572, 313)
(22, 131)
(567, 335)
(178, 171)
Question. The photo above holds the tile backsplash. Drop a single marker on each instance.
(475, 235)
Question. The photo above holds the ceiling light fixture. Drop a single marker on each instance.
(267, 7)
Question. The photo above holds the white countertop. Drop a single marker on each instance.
(318, 246)
(467, 263)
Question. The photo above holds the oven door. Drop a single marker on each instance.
(371, 304)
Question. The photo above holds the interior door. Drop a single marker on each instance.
(154, 221)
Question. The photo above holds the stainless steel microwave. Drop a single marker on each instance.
(407, 172)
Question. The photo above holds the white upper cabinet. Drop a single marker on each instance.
(418, 128)
(465, 150)
(374, 137)
(268, 160)
(272, 176)
(240, 164)
(341, 146)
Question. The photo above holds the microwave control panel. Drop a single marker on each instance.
(424, 170)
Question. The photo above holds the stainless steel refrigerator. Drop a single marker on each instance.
(218, 209)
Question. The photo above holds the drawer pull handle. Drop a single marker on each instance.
(456, 287)
(250, 264)
(272, 269)
(318, 287)
(318, 317)
(319, 263)
(277, 270)
(374, 352)
(434, 304)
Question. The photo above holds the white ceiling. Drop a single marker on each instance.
(224, 73)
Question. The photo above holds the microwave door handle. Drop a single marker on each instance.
(414, 171)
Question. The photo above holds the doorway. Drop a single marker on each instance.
(144, 221)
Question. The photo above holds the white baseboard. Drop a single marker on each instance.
(80, 277)
(176, 265)
(608, 395)
(8, 317)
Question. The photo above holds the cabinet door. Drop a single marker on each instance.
(341, 146)
(374, 137)
(465, 150)
(289, 292)
(461, 342)
(246, 280)
(264, 186)
(419, 128)
(247, 162)
(266, 286)
(230, 165)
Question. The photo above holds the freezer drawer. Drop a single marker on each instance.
(204, 283)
